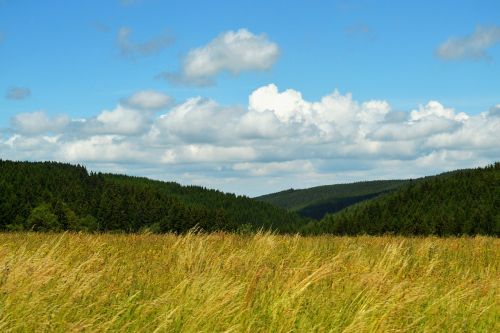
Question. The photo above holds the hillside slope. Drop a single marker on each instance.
(316, 202)
(454, 203)
(56, 196)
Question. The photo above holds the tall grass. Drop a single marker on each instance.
(233, 283)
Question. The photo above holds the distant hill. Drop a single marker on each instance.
(48, 196)
(454, 203)
(316, 202)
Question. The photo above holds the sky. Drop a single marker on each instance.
(252, 97)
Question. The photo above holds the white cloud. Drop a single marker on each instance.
(415, 129)
(198, 120)
(436, 109)
(207, 153)
(334, 116)
(232, 51)
(101, 148)
(148, 100)
(38, 122)
(279, 140)
(275, 168)
(130, 48)
(472, 47)
(120, 120)
(287, 106)
(479, 134)
(260, 125)
(29, 143)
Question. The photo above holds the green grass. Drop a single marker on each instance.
(238, 283)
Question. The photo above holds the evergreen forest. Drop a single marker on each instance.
(50, 196)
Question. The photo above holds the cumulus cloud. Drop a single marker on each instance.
(436, 109)
(287, 105)
(278, 140)
(413, 130)
(101, 148)
(335, 115)
(18, 93)
(128, 47)
(232, 51)
(207, 153)
(471, 47)
(275, 168)
(120, 120)
(148, 100)
(479, 134)
(427, 120)
(260, 125)
(38, 122)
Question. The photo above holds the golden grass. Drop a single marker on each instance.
(223, 282)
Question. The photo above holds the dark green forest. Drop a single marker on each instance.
(43, 196)
(50, 196)
(316, 202)
(462, 202)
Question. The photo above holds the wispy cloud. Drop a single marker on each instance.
(470, 47)
(128, 47)
(232, 51)
(18, 93)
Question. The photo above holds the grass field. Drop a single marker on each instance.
(223, 282)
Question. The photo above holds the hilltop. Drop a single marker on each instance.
(453, 203)
(50, 196)
(45, 196)
(316, 202)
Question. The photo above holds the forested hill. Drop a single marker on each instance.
(45, 196)
(56, 196)
(316, 202)
(454, 203)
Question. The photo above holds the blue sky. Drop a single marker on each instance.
(71, 76)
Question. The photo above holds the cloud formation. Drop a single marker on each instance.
(279, 140)
(18, 93)
(232, 51)
(130, 48)
(471, 47)
(148, 100)
(38, 122)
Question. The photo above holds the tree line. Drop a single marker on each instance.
(463, 202)
(50, 196)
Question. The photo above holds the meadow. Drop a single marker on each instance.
(223, 282)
